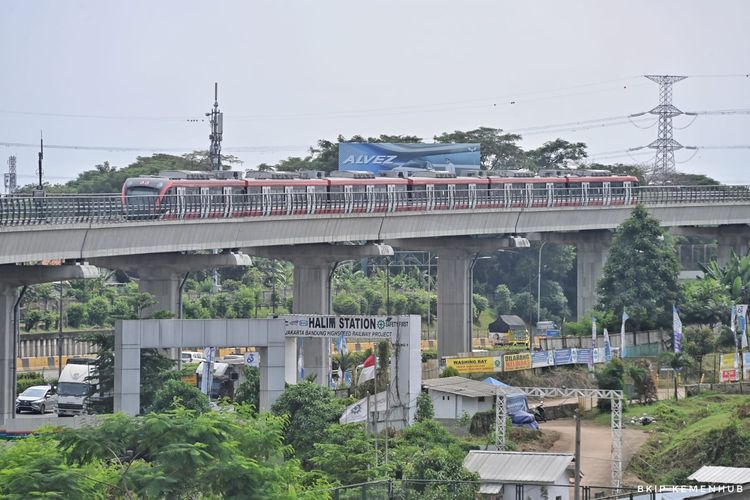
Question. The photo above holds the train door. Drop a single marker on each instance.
(348, 199)
(311, 199)
(390, 191)
(430, 194)
(289, 199)
(529, 194)
(584, 194)
(606, 193)
(550, 194)
(472, 195)
(508, 195)
(228, 201)
(266, 200)
(205, 202)
(180, 202)
(370, 196)
(451, 196)
(628, 192)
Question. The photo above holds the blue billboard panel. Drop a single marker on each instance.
(563, 357)
(385, 156)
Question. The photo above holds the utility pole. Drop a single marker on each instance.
(577, 489)
(10, 177)
(217, 130)
(665, 145)
(39, 191)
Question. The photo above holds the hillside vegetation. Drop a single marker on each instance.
(712, 429)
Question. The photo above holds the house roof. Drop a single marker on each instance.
(514, 467)
(709, 474)
(460, 386)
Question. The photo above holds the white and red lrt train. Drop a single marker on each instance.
(230, 194)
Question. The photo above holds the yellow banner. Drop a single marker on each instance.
(521, 361)
(485, 364)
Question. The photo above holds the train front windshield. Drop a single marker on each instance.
(141, 201)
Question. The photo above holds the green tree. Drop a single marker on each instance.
(705, 301)
(677, 361)
(249, 390)
(498, 150)
(32, 319)
(734, 275)
(557, 154)
(425, 411)
(309, 407)
(97, 311)
(503, 300)
(449, 371)
(611, 378)
(347, 304)
(76, 313)
(641, 272)
(644, 381)
(699, 341)
(350, 445)
(177, 393)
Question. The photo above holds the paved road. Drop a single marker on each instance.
(596, 443)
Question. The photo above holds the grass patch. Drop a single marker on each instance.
(710, 429)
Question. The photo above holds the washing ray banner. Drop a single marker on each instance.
(677, 330)
(742, 320)
(409, 157)
(625, 317)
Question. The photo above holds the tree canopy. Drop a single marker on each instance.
(641, 272)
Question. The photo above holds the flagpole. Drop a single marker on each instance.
(375, 413)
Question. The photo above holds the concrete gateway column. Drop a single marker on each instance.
(312, 293)
(8, 297)
(454, 302)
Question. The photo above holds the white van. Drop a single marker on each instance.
(192, 357)
(74, 386)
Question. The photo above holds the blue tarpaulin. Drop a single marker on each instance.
(516, 401)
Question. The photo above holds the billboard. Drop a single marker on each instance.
(520, 361)
(409, 157)
(729, 367)
(482, 364)
(315, 325)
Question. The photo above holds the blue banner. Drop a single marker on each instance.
(563, 357)
(585, 356)
(552, 333)
(540, 358)
(385, 157)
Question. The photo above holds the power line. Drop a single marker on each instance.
(235, 149)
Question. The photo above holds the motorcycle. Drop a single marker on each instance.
(539, 414)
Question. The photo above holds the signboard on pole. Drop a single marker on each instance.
(408, 157)
(482, 364)
(316, 325)
(252, 359)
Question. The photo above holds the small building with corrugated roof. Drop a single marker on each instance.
(527, 475)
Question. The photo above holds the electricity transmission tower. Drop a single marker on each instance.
(665, 145)
(217, 130)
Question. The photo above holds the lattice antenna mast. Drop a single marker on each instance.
(217, 130)
(665, 145)
(10, 177)
(40, 186)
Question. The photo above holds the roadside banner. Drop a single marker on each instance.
(563, 357)
(540, 359)
(733, 325)
(583, 356)
(607, 347)
(481, 364)
(593, 342)
(742, 320)
(625, 317)
(676, 329)
(520, 361)
(746, 365)
(729, 365)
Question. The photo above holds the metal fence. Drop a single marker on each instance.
(16, 210)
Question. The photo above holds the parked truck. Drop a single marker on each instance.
(75, 386)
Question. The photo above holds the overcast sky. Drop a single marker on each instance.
(132, 74)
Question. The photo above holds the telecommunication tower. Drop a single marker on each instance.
(665, 145)
(217, 130)
(10, 177)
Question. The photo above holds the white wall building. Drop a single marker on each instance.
(535, 476)
(452, 396)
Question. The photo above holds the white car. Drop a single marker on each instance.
(38, 398)
(192, 357)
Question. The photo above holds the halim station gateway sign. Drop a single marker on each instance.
(314, 325)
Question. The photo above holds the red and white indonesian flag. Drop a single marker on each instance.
(368, 370)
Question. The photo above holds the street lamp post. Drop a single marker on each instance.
(539, 282)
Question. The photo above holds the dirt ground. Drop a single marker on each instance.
(596, 443)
